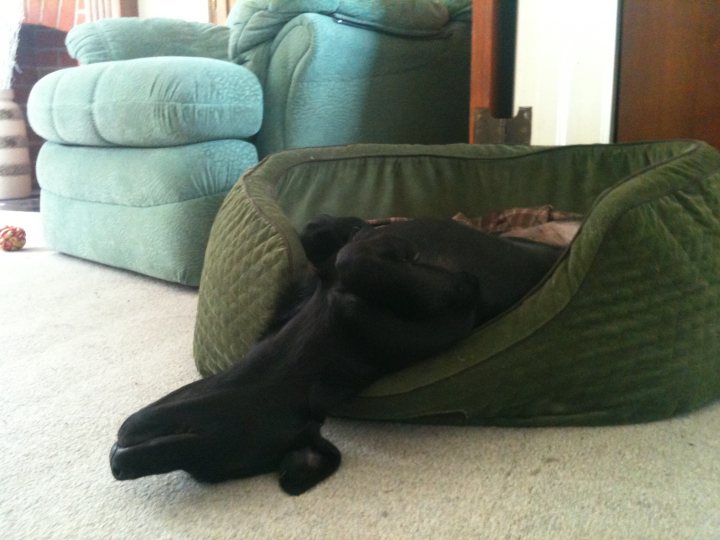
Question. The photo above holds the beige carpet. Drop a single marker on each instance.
(84, 345)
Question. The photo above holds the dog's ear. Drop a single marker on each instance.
(305, 467)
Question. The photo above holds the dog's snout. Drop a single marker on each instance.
(117, 471)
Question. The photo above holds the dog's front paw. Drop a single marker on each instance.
(306, 467)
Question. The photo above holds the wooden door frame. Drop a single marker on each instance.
(492, 65)
(673, 95)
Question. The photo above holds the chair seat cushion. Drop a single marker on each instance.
(147, 102)
(149, 211)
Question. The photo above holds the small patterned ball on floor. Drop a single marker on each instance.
(12, 238)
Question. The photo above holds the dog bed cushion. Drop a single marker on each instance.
(625, 328)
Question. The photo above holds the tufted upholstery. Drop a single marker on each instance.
(159, 102)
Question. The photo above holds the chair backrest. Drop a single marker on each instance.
(254, 24)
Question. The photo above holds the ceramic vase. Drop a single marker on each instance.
(15, 168)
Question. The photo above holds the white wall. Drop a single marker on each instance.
(565, 68)
(190, 10)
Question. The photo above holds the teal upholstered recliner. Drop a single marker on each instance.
(149, 133)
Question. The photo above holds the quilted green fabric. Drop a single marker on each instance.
(625, 328)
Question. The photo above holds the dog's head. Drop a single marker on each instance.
(218, 431)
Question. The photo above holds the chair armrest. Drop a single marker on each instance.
(126, 38)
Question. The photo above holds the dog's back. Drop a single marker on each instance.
(506, 268)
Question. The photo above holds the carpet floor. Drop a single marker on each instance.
(85, 345)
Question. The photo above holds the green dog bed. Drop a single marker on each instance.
(625, 328)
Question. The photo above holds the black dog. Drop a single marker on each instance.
(376, 300)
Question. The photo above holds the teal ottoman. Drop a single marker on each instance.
(140, 155)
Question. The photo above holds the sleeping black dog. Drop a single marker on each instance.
(375, 300)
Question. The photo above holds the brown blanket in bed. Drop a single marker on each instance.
(541, 224)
